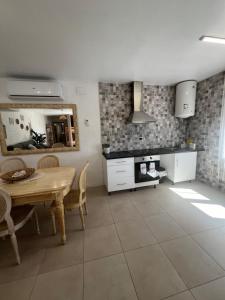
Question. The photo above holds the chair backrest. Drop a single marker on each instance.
(5, 205)
(83, 182)
(5, 209)
(48, 161)
(12, 164)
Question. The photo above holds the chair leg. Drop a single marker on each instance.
(85, 208)
(36, 222)
(15, 247)
(53, 221)
(82, 216)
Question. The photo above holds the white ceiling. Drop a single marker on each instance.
(111, 40)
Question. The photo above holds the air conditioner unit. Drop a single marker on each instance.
(30, 90)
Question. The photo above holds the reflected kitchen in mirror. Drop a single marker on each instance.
(38, 128)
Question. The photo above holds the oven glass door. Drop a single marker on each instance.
(142, 171)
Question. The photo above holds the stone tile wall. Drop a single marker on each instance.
(116, 106)
(204, 128)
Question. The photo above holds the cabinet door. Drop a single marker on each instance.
(185, 166)
(167, 162)
(120, 174)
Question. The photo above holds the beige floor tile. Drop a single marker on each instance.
(213, 241)
(192, 220)
(191, 262)
(62, 256)
(61, 284)
(108, 278)
(147, 206)
(164, 227)
(98, 216)
(170, 201)
(123, 210)
(153, 275)
(30, 263)
(100, 242)
(134, 234)
(214, 290)
(182, 296)
(19, 290)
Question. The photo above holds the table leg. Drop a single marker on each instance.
(59, 209)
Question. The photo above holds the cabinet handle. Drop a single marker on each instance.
(120, 171)
(119, 162)
(121, 183)
(177, 163)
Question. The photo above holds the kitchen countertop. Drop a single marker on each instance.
(146, 152)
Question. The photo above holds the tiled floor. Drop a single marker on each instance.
(163, 243)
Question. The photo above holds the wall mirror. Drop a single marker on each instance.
(38, 128)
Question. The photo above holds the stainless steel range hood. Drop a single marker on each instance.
(138, 116)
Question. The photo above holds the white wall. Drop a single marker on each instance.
(13, 131)
(85, 95)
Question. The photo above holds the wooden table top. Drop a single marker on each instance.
(50, 180)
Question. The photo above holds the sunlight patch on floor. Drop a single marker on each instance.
(212, 210)
(188, 194)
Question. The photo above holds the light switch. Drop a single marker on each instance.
(86, 122)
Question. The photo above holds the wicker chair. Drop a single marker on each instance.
(48, 161)
(12, 164)
(76, 198)
(12, 219)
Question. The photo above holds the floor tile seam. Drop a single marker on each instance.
(105, 256)
(34, 285)
(172, 264)
(192, 294)
(149, 226)
(127, 265)
(189, 288)
(207, 253)
(110, 211)
(207, 282)
(176, 294)
(60, 269)
(188, 233)
(143, 219)
(29, 276)
(204, 250)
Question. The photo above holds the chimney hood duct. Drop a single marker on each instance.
(138, 116)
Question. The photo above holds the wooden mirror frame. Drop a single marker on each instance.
(4, 150)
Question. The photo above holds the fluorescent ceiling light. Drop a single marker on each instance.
(211, 39)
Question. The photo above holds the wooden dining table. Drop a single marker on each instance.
(51, 184)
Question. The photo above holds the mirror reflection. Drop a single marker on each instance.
(38, 128)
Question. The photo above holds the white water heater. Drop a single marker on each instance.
(185, 99)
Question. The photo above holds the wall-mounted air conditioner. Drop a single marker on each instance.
(34, 90)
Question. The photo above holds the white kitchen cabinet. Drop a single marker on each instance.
(118, 174)
(180, 166)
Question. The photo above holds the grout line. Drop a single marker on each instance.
(212, 280)
(34, 285)
(177, 294)
(127, 264)
(219, 277)
(192, 295)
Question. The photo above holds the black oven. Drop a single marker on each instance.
(146, 168)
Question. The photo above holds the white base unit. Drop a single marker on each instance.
(179, 166)
(118, 174)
